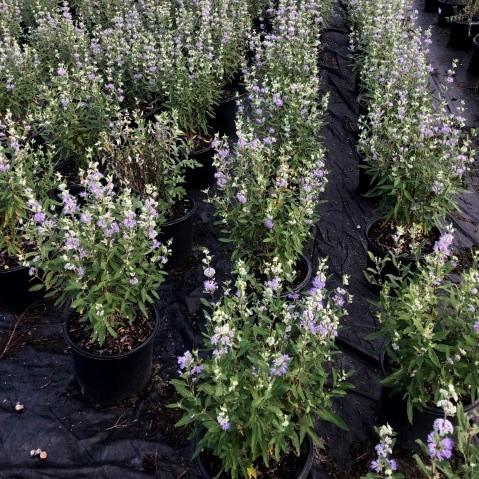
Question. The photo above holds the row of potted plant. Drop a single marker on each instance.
(413, 152)
(416, 154)
(70, 71)
(265, 375)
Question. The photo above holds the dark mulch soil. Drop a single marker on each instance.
(129, 336)
(289, 467)
(162, 419)
(382, 233)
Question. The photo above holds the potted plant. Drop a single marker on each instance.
(465, 26)
(266, 207)
(269, 183)
(74, 108)
(253, 396)
(415, 151)
(430, 326)
(140, 154)
(100, 257)
(24, 170)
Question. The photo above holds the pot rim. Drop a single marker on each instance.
(306, 280)
(186, 216)
(385, 251)
(83, 352)
(15, 269)
(430, 409)
(303, 474)
(202, 150)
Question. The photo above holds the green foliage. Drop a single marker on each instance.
(142, 153)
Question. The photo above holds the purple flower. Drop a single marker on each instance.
(61, 72)
(221, 179)
(86, 218)
(185, 361)
(318, 284)
(133, 280)
(268, 222)
(280, 365)
(129, 221)
(70, 206)
(439, 448)
(241, 197)
(39, 217)
(224, 421)
(443, 427)
(210, 286)
(277, 100)
(476, 327)
(273, 284)
(444, 243)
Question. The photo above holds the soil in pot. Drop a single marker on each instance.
(118, 369)
(380, 233)
(203, 176)
(393, 410)
(474, 65)
(179, 228)
(290, 466)
(462, 34)
(446, 9)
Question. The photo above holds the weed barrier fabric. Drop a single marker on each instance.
(135, 439)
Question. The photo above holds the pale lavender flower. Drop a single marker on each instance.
(241, 197)
(268, 222)
(439, 448)
(280, 365)
(210, 286)
(224, 421)
(444, 243)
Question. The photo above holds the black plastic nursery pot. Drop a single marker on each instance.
(365, 180)
(446, 9)
(393, 410)
(381, 252)
(180, 231)
(202, 176)
(474, 65)
(430, 6)
(110, 379)
(307, 455)
(304, 270)
(224, 121)
(462, 34)
(15, 284)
